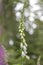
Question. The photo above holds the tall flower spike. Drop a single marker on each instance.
(3, 56)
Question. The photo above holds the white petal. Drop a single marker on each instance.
(32, 2)
(24, 47)
(19, 6)
(34, 26)
(41, 18)
(11, 42)
(36, 7)
(21, 45)
(26, 13)
(31, 31)
(28, 57)
(31, 18)
(23, 54)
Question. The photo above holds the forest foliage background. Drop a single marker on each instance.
(10, 15)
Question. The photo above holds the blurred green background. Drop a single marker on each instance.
(9, 34)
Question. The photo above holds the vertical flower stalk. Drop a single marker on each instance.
(21, 28)
(23, 43)
(3, 56)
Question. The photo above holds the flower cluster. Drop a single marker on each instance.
(3, 56)
(23, 43)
